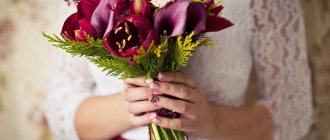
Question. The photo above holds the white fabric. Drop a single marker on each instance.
(268, 34)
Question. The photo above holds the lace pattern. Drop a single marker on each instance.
(279, 52)
(71, 83)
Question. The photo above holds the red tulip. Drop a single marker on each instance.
(128, 35)
(78, 23)
(142, 7)
(108, 12)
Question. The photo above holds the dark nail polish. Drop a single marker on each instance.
(154, 98)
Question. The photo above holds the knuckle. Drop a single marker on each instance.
(183, 108)
(184, 91)
(167, 87)
(147, 91)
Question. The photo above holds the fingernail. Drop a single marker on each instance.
(152, 116)
(149, 81)
(156, 120)
(154, 98)
(156, 92)
(161, 76)
(154, 85)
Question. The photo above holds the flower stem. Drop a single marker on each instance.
(155, 131)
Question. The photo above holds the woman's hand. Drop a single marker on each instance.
(136, 94)
(197, 116)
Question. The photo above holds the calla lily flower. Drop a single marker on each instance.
(179, 17)
(78, 23)
(103, 18)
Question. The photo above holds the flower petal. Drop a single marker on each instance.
(152, 36)
(139, 21)
(79, 36)
(86, 8)
(196, 18)
(70, 25)
(215, 23)
(108, 46)
(142, 7)
(85, 26)
(103, 17)
(216, 10)
(129, 52)
(172, 18)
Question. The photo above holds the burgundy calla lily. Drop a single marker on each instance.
(103, 18)
(179, 17)
(129, 35)
(78, 23)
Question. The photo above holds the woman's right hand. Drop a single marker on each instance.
(136, 94)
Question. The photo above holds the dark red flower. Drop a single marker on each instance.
(109, 12)
(215, 23)
(179, 17)
(78, 23)
(129, 34)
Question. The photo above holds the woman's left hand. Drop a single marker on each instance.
(197, 116)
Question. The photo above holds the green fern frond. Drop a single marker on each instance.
(90, 48)
(184, 49)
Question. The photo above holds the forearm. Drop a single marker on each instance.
(102, 117)
(248, 123)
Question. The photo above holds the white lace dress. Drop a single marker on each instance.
(267, 35)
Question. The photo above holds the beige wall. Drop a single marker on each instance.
(24, 63)
(24, 66)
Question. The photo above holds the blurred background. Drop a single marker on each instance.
(25, 60)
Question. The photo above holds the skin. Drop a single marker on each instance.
(198, 117)
(95, 119)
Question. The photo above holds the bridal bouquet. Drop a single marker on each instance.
(140, 38)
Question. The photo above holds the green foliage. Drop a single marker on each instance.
(91, 48)
(183, 50)
(169, 54)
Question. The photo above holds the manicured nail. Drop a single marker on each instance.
(156, 92)
(152, 116)
(161, 76)
(149, 81)
(156, 120)
(154, 85)
(154, 98)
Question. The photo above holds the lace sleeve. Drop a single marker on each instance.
(279, 53)
(71, 83)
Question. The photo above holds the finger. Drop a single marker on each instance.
(142, 120)
(141, 81)
(177, 77)
(137, 93)
(177, 90)
(141, 107)
(182, 124)
(182, 107)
